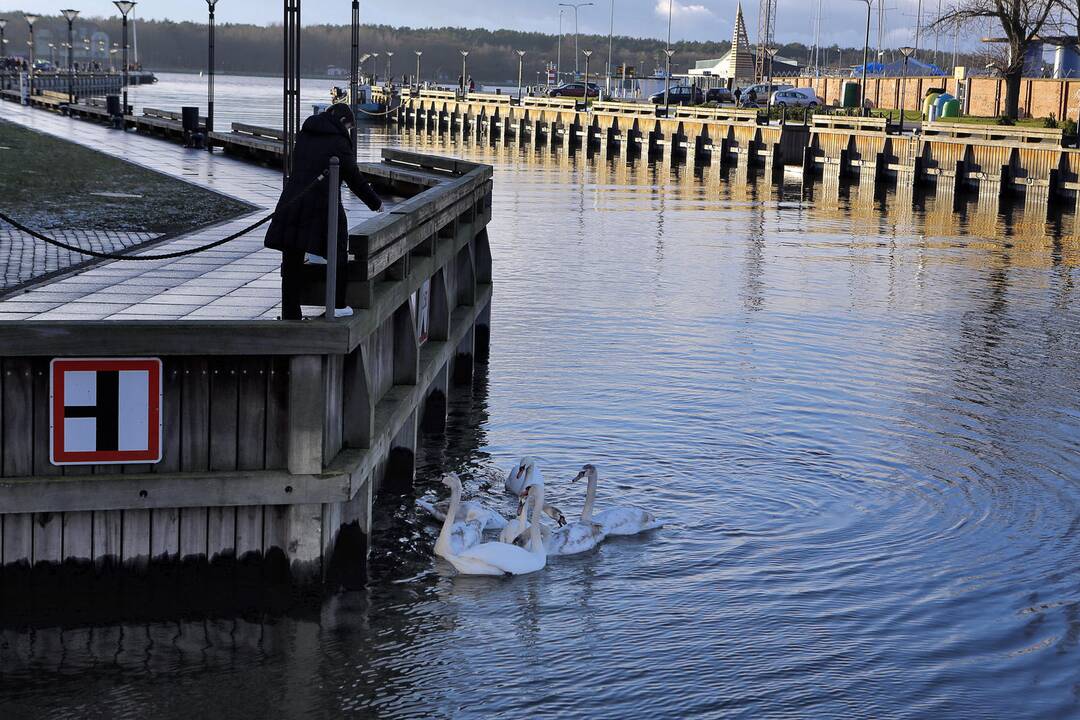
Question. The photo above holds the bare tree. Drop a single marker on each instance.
(1020, 21)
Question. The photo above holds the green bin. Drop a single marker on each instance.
(951, 109)
(850, 94)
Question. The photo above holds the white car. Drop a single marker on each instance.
(796, 97)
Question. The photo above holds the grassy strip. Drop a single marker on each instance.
(51, 183)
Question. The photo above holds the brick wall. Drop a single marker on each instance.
(986, 96)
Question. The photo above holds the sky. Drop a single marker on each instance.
(843, 20)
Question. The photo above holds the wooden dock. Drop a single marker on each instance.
(274, 436)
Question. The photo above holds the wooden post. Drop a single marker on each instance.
(307, 409)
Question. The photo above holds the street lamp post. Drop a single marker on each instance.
(418, 54)
(3, 42)
(389, 58)
(125, 7)
(865, 52)
(558, 57)
(771, 52)
(576, 6)
(521, 61)
(211, 5)
(354, 71)
(587, 54)
(667, 78)
(30, 20)
(669, 52)
(52, 56)
(464, 77)
(610, 36)
(906, 51)
(70, 15)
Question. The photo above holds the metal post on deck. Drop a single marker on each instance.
(210, 64)
(70, 15)
(331, 238)
(354, 70)
(291, 81)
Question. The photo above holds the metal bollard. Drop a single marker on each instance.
(331, 238)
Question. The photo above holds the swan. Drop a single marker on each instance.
(490, 558)
(471, 510)
(616, 520)
(567, 539)
(522, 475)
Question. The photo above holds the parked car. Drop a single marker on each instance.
(574, 89)
(680, 95)
(800, 97)
(759, 91)
(719, 95)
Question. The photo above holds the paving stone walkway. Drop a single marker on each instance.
(237, 281)
(24, 259)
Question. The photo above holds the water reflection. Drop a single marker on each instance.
(857, 408)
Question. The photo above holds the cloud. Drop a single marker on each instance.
(679, 9)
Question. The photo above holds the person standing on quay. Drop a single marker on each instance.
(300, 227)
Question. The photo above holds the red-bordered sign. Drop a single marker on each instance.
(105, 411)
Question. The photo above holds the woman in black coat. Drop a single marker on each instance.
(300, 227)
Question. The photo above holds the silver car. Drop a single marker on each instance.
(796, 97)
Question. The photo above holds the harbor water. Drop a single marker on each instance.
(859, 417)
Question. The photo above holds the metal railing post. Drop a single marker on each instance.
(331, 238)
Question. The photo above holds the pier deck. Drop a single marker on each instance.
(274, 436)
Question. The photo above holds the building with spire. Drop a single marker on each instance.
(738, 65)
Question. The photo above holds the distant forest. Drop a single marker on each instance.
(253, 49)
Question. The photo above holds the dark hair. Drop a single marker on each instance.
(341, 113)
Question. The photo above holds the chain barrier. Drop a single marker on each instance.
(164, 256)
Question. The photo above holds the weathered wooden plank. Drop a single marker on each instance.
(331, 527)
(307, 411)
(466, 279)
(249, 531)
(275, 542)
(78, 537)
(251, 421)
(165, 534)
(135, 541)
(48, 538)
(333, 430)
(42, 461)
(18, 540)
(171, 409)
(224, 405)
(304, 542)
(193, 532)
(406, 348)
(358, 409)
(144, 492)
(195, 418)
(108, 531)
(179, 337)
(439, 308)
(277, 414)
(18, 420)
(221, 534)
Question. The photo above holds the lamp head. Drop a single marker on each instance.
(124, 6)
(31, 19)
(907, 51)
(464, 53)
(211, 3)
(587, 53)
(3, 23)
(418, 52)
(70, 14)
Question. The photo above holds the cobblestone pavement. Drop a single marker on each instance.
(23, 258)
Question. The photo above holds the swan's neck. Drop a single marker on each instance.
(590, 498)
(535, 540)
(443, 543)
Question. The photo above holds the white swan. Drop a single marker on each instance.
(470, 510)
(616, 520)
(567, 539)
(491, 558)
(522, 475)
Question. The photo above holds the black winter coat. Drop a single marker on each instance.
(302, 224)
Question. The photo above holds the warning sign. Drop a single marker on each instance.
(105, 412)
